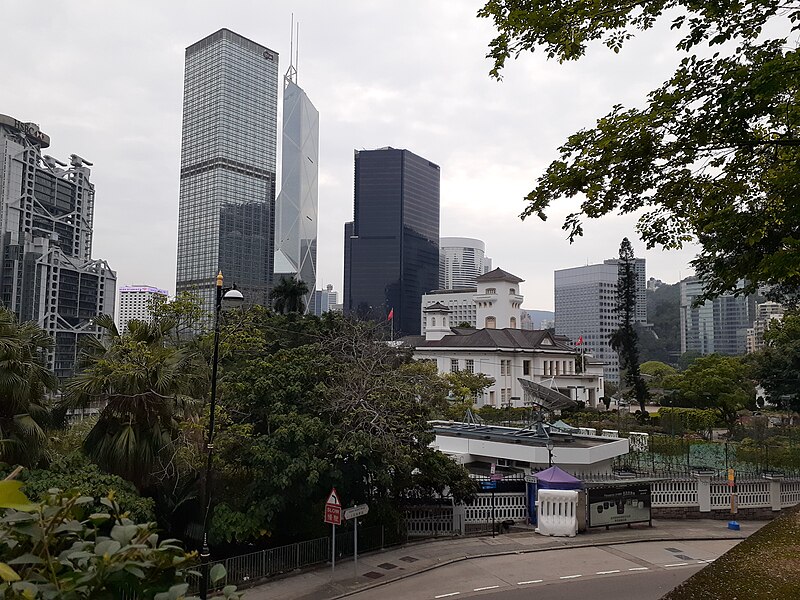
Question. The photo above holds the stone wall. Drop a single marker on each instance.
(693, 512)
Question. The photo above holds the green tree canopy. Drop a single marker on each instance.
(324, 402)
(24, 383)
(713, 155)
(720, 382)
(777, 366)
(625, 340)
(143, 388)
(288, 295)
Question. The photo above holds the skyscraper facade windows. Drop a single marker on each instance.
(716, 326)
(461, 261)
(392, 245)
(48, 274)
(226, 216)
(585, 307)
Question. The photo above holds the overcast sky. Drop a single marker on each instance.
(105, 80)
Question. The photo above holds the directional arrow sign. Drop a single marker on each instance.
(356, 511)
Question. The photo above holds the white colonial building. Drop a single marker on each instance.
(508, 356)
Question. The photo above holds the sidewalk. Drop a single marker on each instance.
(380, 568)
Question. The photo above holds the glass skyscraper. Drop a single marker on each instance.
(226, 216)
(48, 274)
(392, 245)
(296, 224)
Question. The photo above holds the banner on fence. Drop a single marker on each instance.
(619, 504)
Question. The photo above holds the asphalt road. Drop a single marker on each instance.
(644, 585)
(640, 571)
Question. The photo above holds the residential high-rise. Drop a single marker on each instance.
(392, 245)
(766, 314)
(226, 216)
(296, 222)
(461, 262)
(716, 326)
(585, 308)
(135, 303)
(48, 274)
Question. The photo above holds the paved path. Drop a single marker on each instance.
(378, 569)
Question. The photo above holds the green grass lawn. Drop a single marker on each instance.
(764, 566)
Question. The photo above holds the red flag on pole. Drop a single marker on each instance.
(391, 315)
(580, 341)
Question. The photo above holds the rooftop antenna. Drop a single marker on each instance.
(297, 52)
(291, 72)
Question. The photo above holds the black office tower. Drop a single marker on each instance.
(391, 248)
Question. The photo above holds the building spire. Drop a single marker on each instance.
(291, 72)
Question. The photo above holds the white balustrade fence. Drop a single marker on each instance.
(675, 492)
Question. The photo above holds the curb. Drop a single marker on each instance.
(450, 561)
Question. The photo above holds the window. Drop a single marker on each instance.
(491, 397)
(469, 366)
(505, 367)
(513, 322)
(502, 396)
(433, 321)
(512, 291)
(526, 367)
(491, 291)
(454, 365)
(490, 323)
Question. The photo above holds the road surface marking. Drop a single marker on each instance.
(488, 587)
(677, 565)
(570, 576)
(446, 595)
(531, 581)
(607, 572)
(639, 569)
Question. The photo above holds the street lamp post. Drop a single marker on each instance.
(550, 445)
(233, 296)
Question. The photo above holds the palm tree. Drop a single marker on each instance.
(144, 387)
(24, 384)
(288, 295)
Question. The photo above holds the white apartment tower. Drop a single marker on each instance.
(135, 303)
(461, 261)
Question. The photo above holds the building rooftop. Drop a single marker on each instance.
(527, 339)
(516, 436)
(499, 275)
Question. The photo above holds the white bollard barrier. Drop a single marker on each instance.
(557, 512)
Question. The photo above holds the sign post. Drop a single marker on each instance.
(494, 477)
(353, 513)
(333, 515)
(732, 524)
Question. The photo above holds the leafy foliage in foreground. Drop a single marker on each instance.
(61, 549)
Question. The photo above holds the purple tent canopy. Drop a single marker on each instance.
(555, 478)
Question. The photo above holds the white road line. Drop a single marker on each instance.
(570, 576)
(531, 581)
(446, 595)
(639, 569)
(677, 565)
(607, 572)
(488, 587)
